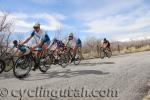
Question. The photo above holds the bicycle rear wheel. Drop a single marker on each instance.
(2, 66)
(64, 60)
(22, 67)
(45, 64)
(9, 64)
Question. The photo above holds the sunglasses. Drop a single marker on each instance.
(36, 27)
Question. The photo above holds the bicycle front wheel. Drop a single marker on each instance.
(22, 67)
(109, 54)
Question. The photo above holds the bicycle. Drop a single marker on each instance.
(8, 61)
(26, 62)
(61, 59)
(77, 58)
(104, 52)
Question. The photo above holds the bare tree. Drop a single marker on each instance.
(5, 31)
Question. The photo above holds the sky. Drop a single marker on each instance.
(116, 20)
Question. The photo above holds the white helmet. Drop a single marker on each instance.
(36, 25)
(70, 34)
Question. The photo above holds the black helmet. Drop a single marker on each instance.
(15, 42)
(55, 40)
(105, 39)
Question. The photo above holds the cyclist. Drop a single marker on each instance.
(21, 49)
(72, 43)
(42, 40)
(79, 43)
(79, 47)
(59, 45)
(106, 44)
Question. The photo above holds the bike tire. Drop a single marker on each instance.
(2, 66)
(109, 54)
(102, 54)
(77, 60)
(11, 64)
(44, 68)
(64, 60)
(26, 61)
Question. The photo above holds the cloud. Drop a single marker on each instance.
(24, 22)
(106, 8)
(118, 23)
(126, 19)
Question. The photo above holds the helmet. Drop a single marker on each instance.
(105, 39)
(15, 42)
(55, 40)
(37, 25)
(70, 34)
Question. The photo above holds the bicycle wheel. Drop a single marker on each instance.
(77, 59)
(22, 67)
(9, 64)
(108, 53)
(102, 54)
(64, 60)
(2, 66)
(45, 64)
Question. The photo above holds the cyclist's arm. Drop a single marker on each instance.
(15, 51)
(27, 40)
(67, 43)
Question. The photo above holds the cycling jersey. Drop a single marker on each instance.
(71, 43)
(22, 48)
(41, 36)
(79, 43)
(105, 42)
(59, 43)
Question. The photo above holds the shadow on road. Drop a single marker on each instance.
(7, 75)
(60, 74)
(93, 64)
(65, 74)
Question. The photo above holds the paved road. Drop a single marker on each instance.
(119, 78)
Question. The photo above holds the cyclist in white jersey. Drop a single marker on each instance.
(41, 37)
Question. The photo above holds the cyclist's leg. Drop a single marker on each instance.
(108, 48)
(38, 54)
(37, 58)
(45, 47)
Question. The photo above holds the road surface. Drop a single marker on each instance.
(121, 77)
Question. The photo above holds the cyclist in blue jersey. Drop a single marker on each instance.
(42, 41)
(41, 37)
(79, 43)
(21, 49)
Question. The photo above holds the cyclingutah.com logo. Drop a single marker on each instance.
(43, 92)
